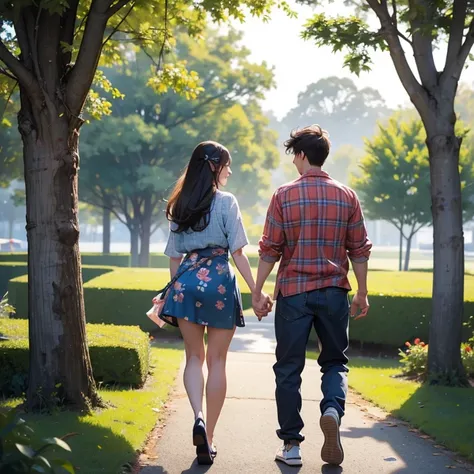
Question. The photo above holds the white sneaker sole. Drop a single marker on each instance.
(290, 462)
(331, 452)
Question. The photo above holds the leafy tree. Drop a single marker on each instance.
(52, 49)
(132, 158)
(419, 26)
(395, 180)
(336, 103)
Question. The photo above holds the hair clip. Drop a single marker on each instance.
(214, 159)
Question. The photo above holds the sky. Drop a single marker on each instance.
(298, 63)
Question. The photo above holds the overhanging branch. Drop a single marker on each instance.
(21, 73)
(452, 72)
(417, 93)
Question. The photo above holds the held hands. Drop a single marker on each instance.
(262, 304)
(360, 303)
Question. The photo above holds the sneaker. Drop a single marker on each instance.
(331, 452)
(289, 454)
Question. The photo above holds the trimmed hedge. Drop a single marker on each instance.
(157, 260)
(119, 355)
(87, 258)
(13, 257)
(119, 297)
(400, 302)
(10, 270)
(160, 260)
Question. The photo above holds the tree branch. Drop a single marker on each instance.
(68, 23)
(456, 31)
(417, 94)
(83, 72)
(115, 8)
(23, 75)
(423, 44)
(452, 72)
(5, 73)
(119, 24)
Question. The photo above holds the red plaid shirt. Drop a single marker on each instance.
(315, 225)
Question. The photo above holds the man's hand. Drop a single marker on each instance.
(359, 303)
(262, 304)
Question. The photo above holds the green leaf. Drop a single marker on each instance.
(64, 464)
(57, 442)
(25, 450)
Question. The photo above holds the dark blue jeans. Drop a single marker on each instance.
(328, 310)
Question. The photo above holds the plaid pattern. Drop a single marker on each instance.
(315, 225)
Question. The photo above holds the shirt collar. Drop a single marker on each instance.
(315, 172)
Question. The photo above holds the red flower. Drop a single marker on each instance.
(221, 289)
(202, 275)
(407, 344)
(417, 341)
(220, 305)
(422, 344)
(468, 349)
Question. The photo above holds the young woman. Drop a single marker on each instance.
(205, 225)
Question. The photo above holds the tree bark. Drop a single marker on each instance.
(105, 231)
(60, 369)
(407, 253)
(400, 249)
(134, 244)
(444, 359)
(145, 234)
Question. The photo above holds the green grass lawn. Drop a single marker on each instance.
(444, 413)
(110, 438)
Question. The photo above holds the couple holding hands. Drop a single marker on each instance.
(314, 226)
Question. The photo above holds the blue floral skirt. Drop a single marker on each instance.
(206, 293)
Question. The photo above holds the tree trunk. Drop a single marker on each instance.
(407, 252)
(105, 231)
(134, 241)
(11, 224)
(400, 250)
(60, 369)
(444, 359)
(145, 234)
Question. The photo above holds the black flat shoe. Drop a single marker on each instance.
(203, 453)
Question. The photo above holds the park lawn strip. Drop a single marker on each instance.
(111, 438)
(444, 413)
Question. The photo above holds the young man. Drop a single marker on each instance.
(315, 225)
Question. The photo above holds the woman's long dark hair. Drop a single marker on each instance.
(190, 202)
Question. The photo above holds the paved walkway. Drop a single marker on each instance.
(245, 436)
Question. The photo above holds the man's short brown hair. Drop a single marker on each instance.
(313, 141)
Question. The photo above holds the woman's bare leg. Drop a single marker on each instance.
(218, 343)
(193, 335)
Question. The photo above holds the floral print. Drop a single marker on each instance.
(221, 269)
(178, 297)
(202, 275)
(206, 291)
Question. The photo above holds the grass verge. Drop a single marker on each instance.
(108, 440)
(444, 413)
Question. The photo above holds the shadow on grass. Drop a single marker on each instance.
(443, 413)
(94, 449)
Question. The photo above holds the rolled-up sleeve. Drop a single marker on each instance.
(358, 244)
(170, 249)
(234, 227)
(273, 237)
